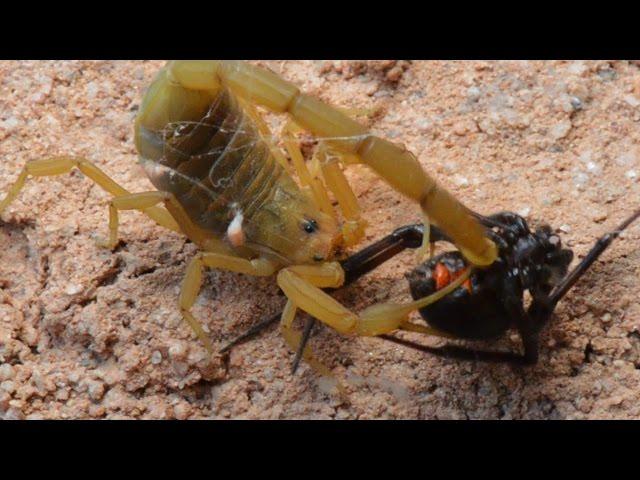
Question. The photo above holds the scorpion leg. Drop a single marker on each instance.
(144, 202)
(354, 227)
(193, 282)
(294, 340)
(326, 174)
(313, 183)
(217, 256)
(327, 278)
(48, 167)
(302, 286)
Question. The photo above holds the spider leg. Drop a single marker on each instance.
(460, 353)
(525, 322)
(600, 246)
(309, 323)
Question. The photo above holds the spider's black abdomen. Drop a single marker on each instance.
(478, 315)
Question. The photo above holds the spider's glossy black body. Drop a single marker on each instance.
(457, 314)
(493, 302)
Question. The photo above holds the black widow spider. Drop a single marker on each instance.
(492, 300)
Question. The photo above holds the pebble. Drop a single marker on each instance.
(580, 179)
(395, 74)
(6, 372)
(156, 357)
(96, 390)
(560, 130)
(5, 398)
(10, 124)
(606, 318)
(460, 129)
(8, 386)
(182, 411)
(593, 167)
(177, 350)
(461, 181)
(42, 383)
(576, 103)
(631, 174)
(157, 411)
(473, 94)
(73, 289)
(13, 414)
(30, 336)
(524, 212)
(627, 158)
(92, 90)
(607, 74)
(181, 369)
(62, 395)
(586, 156)
(424, 125)
(97, 411)
(632, 100)
(599, 216)
(565, 228)
(577, 68)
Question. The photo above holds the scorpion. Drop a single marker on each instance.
(204, 144)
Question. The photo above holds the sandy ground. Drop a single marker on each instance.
(87, 333)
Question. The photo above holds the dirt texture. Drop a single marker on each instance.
(90, 333)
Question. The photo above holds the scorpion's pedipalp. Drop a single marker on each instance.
(402, 170)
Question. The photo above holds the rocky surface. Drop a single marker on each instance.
(89, 333)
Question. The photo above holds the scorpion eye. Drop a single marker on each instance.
(310, 226)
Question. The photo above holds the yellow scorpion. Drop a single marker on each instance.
(223, 184)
